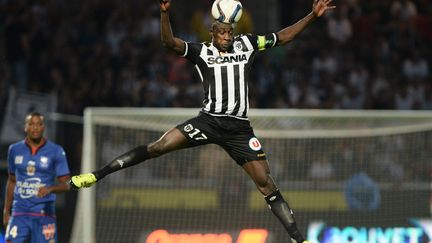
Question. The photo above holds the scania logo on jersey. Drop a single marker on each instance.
(28, 188)
(254, 144)
(226, 59)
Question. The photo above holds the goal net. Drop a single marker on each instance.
(350, 176)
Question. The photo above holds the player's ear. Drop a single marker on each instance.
(212, 28)
(211, 34)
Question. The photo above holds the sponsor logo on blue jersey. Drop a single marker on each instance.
(29, 187)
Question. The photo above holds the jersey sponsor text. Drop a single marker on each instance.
(226, 59)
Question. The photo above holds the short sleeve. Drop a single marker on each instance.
(192, 51)
(61, 164)
(11, 160)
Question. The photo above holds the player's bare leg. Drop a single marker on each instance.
(170, 141)
(259, 171)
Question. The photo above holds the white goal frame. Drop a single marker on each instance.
(85, 218)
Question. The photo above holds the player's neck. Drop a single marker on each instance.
(35, 142)
(226, 52)
(222, 51)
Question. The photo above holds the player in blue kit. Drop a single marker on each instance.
(38, 169)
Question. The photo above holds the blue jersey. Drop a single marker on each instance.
(34, 169)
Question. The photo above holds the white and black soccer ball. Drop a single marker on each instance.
(227, 11)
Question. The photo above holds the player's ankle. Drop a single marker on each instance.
(98, 175)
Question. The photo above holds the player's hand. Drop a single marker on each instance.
(164, 5)
(43, 191)
(320, 6)
(6, 216)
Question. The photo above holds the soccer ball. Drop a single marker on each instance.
(227, 11)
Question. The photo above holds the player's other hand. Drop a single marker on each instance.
(320, 6)
(43, 191)
(6, 216)
(164, 5)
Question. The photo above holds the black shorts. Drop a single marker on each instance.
(234, 135)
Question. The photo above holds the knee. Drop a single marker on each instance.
(262, 181)
(265, 183)
(157, 148)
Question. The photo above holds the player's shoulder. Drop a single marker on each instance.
(55, 149)
(206, 44)
(194, 47)
(52, 145)
(17, 145)
(246, 37)
(191, 43)
(245, 41)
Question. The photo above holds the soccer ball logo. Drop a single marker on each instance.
(227, 11)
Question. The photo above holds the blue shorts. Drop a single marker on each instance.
(33, 229)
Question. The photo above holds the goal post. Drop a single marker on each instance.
(84, 221)
(313, 155)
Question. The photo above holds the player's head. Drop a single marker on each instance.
(34, 126)
(222, 35)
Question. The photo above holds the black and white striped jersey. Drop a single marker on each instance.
(225, 75)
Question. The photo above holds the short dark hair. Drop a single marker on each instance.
(32, 114)
(218, 23)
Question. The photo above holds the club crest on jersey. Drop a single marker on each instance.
(254, 144)
(31, 168)
(238, 46)
(44, 161)
(226, 59)
(18, 159)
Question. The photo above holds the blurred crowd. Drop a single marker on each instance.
(366, 55)
(363, 55)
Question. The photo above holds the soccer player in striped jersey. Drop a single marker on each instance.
(38, 169)
(223, 66)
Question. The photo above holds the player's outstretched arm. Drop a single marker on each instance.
(319, 7)
(167, 37)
